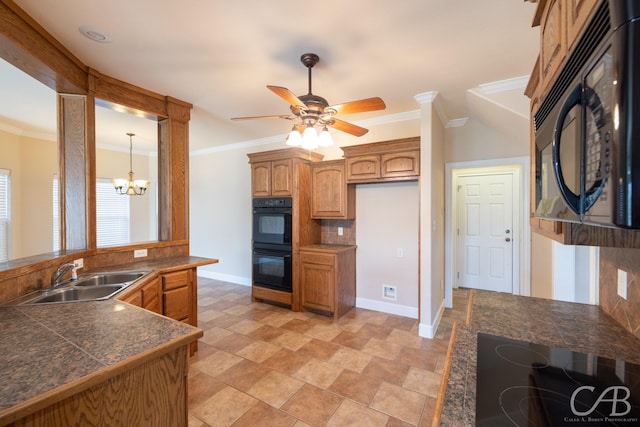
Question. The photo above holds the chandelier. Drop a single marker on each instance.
(131, 187)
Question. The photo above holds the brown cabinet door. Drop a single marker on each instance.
(151, 296)
(553, 44)
(261, 179)
(281, 177)
(330, 192)
(578, 13)
(363, 168)
(400, 164)
(318, 286)
(177, 303)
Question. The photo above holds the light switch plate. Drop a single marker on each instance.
(622, 283)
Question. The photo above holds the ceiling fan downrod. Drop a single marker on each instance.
(309, 60)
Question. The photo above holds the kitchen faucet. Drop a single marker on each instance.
(55, 279)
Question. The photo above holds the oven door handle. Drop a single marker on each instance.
(572, 199)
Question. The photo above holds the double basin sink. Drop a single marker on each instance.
(89, 287)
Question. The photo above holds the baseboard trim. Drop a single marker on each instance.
(426, 330)
(238, 280)
(385, 307)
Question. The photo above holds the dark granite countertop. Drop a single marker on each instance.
(51, 347)
(576, 327)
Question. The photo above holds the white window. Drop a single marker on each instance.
(5, 210)
(112, 215)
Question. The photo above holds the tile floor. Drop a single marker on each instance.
(263, 365)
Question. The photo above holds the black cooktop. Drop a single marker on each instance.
(526, 384)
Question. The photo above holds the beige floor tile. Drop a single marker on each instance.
(263, 415)
(312, 405)
(258, 351)
(355, 386)
(318, 373)
(422, 381)
(387, 370)
(245, 326)
(232, 343)
(243, 375)
(224, 407)
(319, 349)
(216, 363)
(351, 359)
(382, 349)
(275, 388)
(398, 402)
(276, 319)
(292, 340)
(214, 334)
(352, 414)
(323, 332)
(205, 315)
(404, 338)
(286, 361)
(238, 310)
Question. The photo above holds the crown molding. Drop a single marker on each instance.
(504, 85)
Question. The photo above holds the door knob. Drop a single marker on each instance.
(507, 231)
(507, 239)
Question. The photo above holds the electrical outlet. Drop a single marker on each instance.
(622, 283)
(340, 231)
(79, 262)
(139, 253)
(389, 292)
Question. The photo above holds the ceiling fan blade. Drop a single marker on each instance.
(264, 117)
(361, 106)
(348, 127)
(287, 95)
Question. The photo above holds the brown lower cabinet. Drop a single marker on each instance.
(147, 296)
(328, 278)
(173, 294)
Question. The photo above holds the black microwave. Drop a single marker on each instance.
(587, 129)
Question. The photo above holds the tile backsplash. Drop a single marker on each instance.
(626, 312)
(329, 231)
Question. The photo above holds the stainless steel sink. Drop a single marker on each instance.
(103, 279)
(89, 287)
(84, 293)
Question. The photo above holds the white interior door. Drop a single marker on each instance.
(485, 232)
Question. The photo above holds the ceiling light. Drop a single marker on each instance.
(95, 34)
(131, 187)
(294, 138)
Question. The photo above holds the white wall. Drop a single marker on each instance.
(387, 220)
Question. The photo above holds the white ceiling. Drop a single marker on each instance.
(219, 55)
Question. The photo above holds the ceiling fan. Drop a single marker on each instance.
(312, 110)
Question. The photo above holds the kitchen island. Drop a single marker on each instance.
(92, 363)
(576, 327)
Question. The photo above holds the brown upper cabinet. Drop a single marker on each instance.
(331, 197)
(394, 160)
(561, 22)
(272, 178)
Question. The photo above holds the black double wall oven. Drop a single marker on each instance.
(272, 231)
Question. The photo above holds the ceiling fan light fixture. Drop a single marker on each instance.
(294, 138)
(310, 138)
(324, 139)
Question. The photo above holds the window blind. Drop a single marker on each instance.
(5, 211)
(56, 213)
(112, 215)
